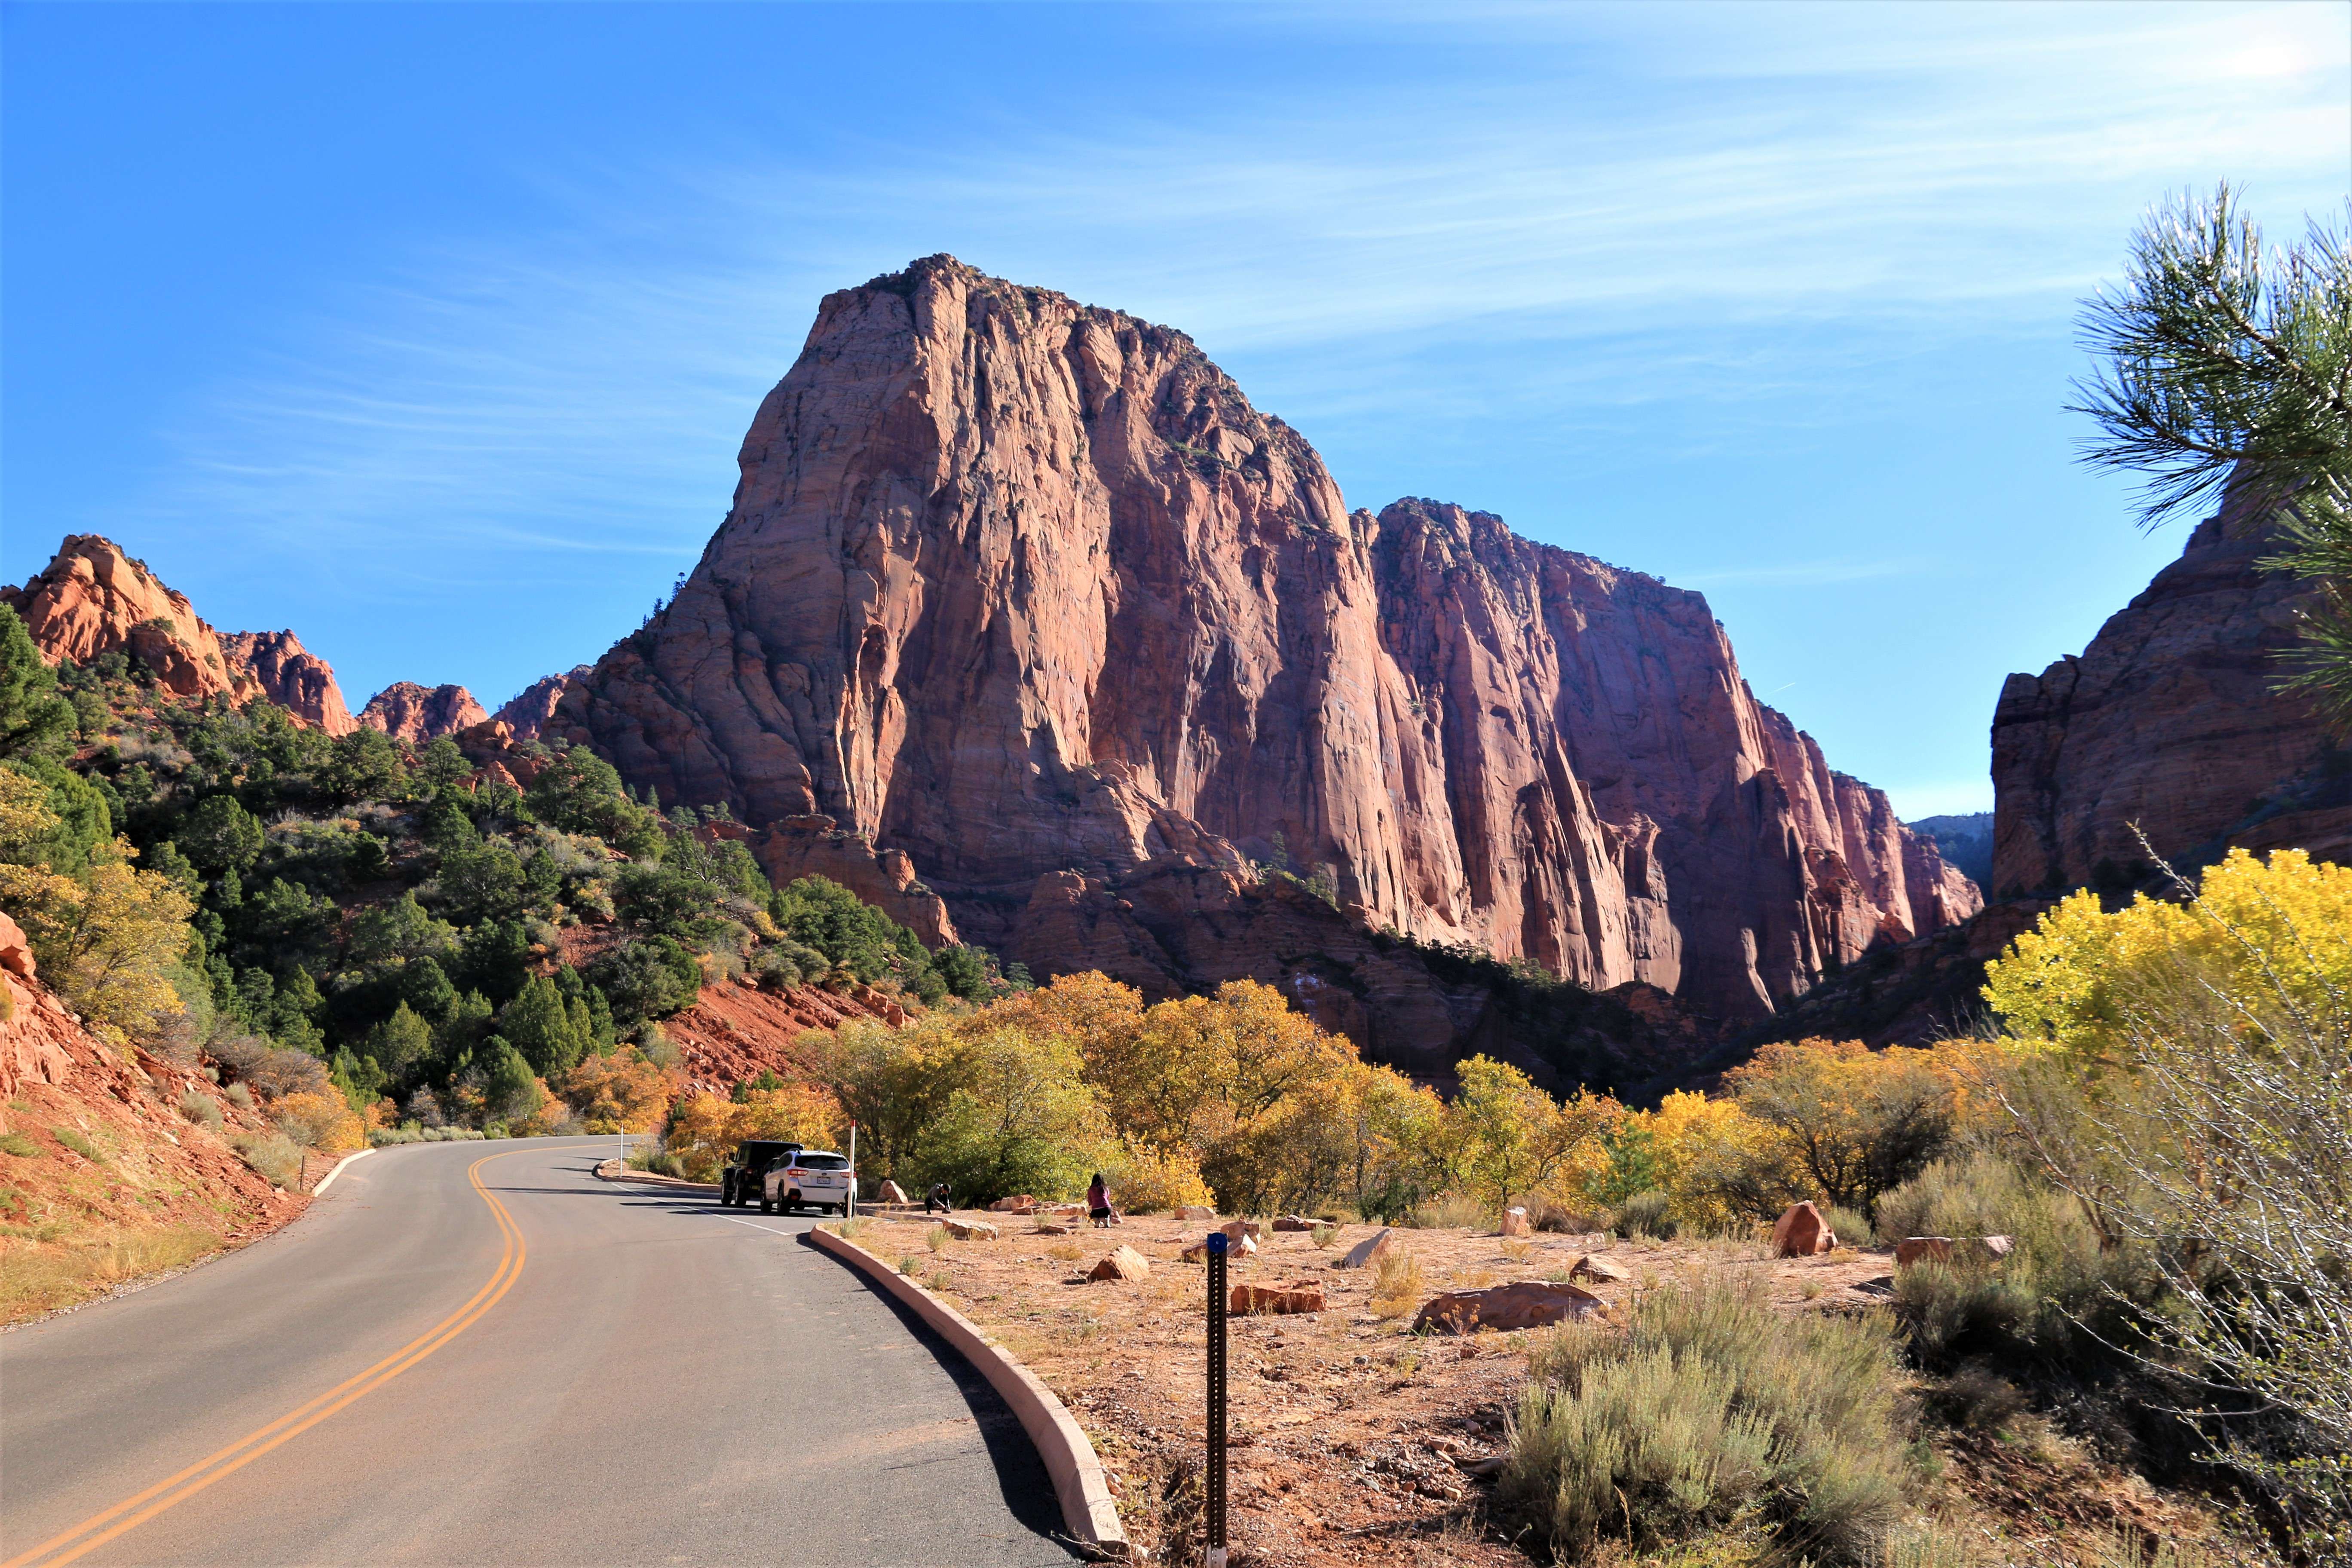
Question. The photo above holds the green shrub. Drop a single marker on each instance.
(1852, 1226)
(277, 1157)
(1710, 1408)
(2059, 1291)
(1644, 1215)
(240, 1097)
(201, 1109)
(16, 1144)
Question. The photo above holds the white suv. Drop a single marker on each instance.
(809, 1178)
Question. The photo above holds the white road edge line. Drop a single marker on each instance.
(328, 1179)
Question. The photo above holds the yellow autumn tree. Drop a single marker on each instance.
(1855, 1122)
(704, 1128)
(1514, 1140)
(1719, 1164)
(623, 1092)
(105, 940)
(2261, 932)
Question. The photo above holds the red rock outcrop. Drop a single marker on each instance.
(93, 599)
(293, 678)
(527, 712)
(2170, 720)
(408, 711)
(1027, 590)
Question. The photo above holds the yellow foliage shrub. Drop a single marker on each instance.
(320, 1121)
(2063, 984)
(623, 1092)
(106, 940)
(1144, 1181)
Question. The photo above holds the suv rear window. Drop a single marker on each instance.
(760, 1153)
(821, 1163)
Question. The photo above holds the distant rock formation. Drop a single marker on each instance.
(1965, 841)
(408, 711)
(92, 599)
(2170, 720)
(527, 712)
(1028, 591)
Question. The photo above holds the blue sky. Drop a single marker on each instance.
(430, 332)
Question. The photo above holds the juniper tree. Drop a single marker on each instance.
(2228, 366)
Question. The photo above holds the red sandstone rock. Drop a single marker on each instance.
(1525, 1304)
(1027, 590)
(1801, 1232)
(91, 599)
(1121, 1263)
(1292, 1222)
(408, 711)
(1515, 1222)
(2169, 718)
(1304, 1297)
(527, 712)
(1370, 1250)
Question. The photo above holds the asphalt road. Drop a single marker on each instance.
(479, 1354)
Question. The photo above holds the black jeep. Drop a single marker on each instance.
(740, 1182)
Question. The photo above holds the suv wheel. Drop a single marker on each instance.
(767, 1206)
(726, 1191)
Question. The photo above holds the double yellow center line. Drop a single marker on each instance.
(131, 1513)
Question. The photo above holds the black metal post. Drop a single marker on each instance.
(1216, 1487)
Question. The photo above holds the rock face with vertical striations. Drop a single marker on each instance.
(1028, 591)
(92, 599)
(408, 711)
(2171, 720)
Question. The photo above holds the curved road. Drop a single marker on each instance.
(479, 1354)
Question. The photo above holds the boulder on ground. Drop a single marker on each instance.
(1303, 1297)
(1243, 1247)
(1052, 1227)
(1912, 1249)
(1370, 1250)
(1515, 1222)
(1801, 1232)
(1599, 1270)
(892, 1193)
(611, 1170)
(1194, 1211)
(1025, 1203)
(1120, 1263)
(1945, 1250)
(1238, 1228)
(1295, 1222)
(1525, 1304)
(969, 1229)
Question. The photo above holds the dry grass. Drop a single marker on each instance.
(40, 1277)
(1397, 1289)
(1066, 1252)
(937, 1238)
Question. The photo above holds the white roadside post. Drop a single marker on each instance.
(849, 1209)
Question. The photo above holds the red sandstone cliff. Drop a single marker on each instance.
(93, 599)
(408, 711)
(1028, 591)
(527, 712)
(2170, 718)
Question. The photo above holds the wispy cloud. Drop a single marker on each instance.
(1662, 189)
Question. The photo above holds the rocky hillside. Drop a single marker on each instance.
(102, 1176)
(93, 600)
(2169, 721)
(1028, 592)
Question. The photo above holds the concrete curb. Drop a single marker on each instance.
(328, 1178)
(1087, 1510)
